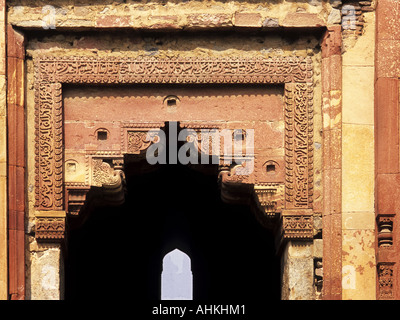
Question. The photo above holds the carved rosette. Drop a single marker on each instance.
(139, 141)
(136, 138)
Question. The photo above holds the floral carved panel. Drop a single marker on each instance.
(295, 73)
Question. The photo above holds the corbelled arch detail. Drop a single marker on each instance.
(288, 202)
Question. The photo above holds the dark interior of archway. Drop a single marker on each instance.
(117, 254)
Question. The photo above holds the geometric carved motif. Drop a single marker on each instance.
(385, 280)
(139, 141)
(50, 228)
(294, 72)
(297, 227)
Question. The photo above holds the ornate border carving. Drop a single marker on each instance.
(297, 227)
(51, 72)
(299, 145)
(385, 280)
(49, 146)
(78, 69)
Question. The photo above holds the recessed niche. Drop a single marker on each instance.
(171, 102)
(271, 167)
(71, 167)
(101, 135)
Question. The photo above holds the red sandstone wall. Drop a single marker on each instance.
(387, 174)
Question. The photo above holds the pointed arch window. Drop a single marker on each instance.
(176, 276)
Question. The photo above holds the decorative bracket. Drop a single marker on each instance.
(269, 199)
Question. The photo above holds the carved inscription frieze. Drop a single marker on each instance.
(299, 145)
(180, 70)
(49, 146)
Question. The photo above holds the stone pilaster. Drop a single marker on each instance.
(297, 271)
(3, 159)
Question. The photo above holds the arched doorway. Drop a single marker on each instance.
(117, 254)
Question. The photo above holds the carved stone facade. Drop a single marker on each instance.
(317, 81)
(51, 73)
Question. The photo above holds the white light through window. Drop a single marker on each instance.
(176, 277)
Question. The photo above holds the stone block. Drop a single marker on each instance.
(46, 275)
(332, 253)
(335, 149)
(358, 168)
(3, 99)
(387, 193)
(332, 41)
(388, 59)
(164, 22)
(270, 23)
(247, 19)
(3, 239)
(298, 272)
(358, 95)
(15, 42)
(334, 17)
(358, 220)
(113, 21)
(208, 20)
(318, 248)
(335, 191)
(331, 73)
(3, 140)
(387, 125)
(359, 270)
(388, 20)
(362, 52)
(302, 20)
